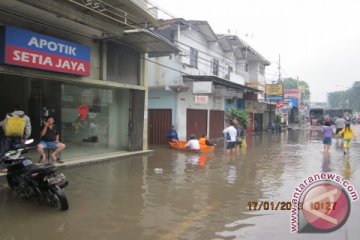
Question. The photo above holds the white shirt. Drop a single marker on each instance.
(193, 144)
(340, 123)
(232, 132)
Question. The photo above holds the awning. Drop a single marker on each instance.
(267, 102)
(220, 82)
(148, 42)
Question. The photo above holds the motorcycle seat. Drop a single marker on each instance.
(43, 169)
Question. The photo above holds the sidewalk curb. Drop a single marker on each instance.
(94, 159)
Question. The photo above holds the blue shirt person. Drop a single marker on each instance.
(172, 135)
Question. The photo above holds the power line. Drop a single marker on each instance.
(162, 65)
(208, 54)
(161, 9)
(203, 61)
(206, 61)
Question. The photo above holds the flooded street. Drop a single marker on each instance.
(191, 196)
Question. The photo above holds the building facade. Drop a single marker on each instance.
(83, 63)
(252, 67)
(193, 90)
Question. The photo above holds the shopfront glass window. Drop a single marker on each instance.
(94, 120)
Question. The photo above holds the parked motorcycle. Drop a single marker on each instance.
(28, 180)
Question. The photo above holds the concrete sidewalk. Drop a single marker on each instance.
(94, 159)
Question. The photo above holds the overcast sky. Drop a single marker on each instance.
(318, 40)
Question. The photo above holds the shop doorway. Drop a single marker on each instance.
(196, 122)
(159, 123)
(216, 124)
(38, 98)
(258, 122)
(13, 92)
(44, 101)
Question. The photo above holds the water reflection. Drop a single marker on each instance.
(195, 196)
(347, 171)
(325, 167)
(231, 174)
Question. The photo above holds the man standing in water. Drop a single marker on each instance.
(230, 134)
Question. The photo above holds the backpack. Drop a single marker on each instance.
(14, 126)
(228, 137)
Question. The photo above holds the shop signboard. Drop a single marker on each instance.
(274, 92)
(274, 89)
(249, 106)
(33, 50)
(280, 104)
(274, 98)
(202, 87)
(201, 100)
(292, 93)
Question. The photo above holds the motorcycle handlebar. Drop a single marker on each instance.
(30, 148)
(26, 149)
(13, 152)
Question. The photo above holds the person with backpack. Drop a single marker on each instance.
(16, 127)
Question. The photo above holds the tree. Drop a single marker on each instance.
(346, 99)
(338, 99)
(277, 120)
(240, 115)
(291, 83)
(354, 96)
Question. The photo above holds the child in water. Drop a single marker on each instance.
(203, 140)
(348, 134)
(327, 134)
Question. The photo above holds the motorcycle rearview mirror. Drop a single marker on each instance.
(29, 141)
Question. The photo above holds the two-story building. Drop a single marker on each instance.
(84, 63)
(193, 90)
(252, 68)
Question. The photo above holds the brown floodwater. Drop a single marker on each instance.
(170, 194)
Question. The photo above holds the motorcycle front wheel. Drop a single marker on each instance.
(59, 199)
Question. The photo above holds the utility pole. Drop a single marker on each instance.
(279, 68)
(280, 82)
(297, 82)
(300, 101)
